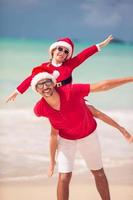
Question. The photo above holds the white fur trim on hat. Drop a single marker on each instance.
(43, 75)
(63, 44)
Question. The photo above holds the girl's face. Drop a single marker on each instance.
(60, 54)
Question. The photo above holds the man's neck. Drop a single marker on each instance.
(53, 100)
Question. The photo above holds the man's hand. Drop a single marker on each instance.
(126, 134)
(51, 168)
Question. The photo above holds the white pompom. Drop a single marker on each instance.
(56, 74)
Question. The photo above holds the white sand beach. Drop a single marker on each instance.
(81, 187)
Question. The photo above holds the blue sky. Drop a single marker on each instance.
(81, 19)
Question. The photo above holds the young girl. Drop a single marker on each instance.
(61, 60)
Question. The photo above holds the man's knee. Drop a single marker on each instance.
(98, 173)
(65, 177)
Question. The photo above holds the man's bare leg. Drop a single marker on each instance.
(63, 186)
(101, 183)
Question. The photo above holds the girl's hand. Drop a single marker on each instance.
(12, 96)
(106, 41)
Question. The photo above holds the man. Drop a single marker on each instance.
(74, 123)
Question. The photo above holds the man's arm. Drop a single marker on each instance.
(102, 116)
(109, 84)
(53, 147)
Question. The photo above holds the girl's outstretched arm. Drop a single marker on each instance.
(20, 89)
(106, 41)
(12, 96)
(86, 53)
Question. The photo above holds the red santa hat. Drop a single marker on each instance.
(64, 42)
(40, 73)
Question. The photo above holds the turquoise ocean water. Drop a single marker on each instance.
(18, 57)
(24, 138)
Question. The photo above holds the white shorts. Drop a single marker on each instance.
(89, 148)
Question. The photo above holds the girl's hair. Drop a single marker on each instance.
(49, 63)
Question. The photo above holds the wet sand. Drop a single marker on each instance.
(82, 187)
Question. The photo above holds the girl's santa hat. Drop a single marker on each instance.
(40, 73)
(63, 42)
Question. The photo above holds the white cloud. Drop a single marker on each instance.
(107, 13)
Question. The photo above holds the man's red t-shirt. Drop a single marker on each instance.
(73, 120)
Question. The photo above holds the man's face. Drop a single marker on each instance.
(45, 87)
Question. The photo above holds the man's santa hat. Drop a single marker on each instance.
(40, 73)
(63, 42)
